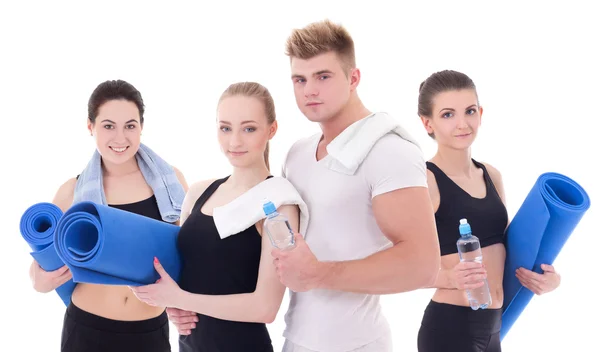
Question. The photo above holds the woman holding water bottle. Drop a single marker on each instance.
(229, 289)
(466, 195)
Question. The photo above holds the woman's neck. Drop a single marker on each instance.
(248, 177)
(455, 162)
(116, 170)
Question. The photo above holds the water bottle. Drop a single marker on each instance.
(277, 227)
(469, 250)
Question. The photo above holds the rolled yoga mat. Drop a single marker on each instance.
(536, 235)
(38, 224)
(109, 246)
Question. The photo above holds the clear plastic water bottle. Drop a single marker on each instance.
(277, 227)
(469, 250)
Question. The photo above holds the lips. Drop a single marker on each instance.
(313, 104)
(237, 153)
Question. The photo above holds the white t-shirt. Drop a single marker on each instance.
(343, 227)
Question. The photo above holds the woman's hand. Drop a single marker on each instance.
(539, 283)
(46, 281)
(183, 320)
(164, 293)
(467, 275)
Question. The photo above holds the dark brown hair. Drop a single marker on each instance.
(114, 90)
(440, 82)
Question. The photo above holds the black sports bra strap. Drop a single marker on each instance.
(440, 176)
(434, 168)
(209, 192)
(479, 165)
(488, 179)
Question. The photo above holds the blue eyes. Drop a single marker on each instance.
(449, 114)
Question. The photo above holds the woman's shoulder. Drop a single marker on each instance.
(494, 173)
(181, 178)
(279, 184)
(64, 196)
(191, 196)
(278, 180)
(496, 177)
(197, 188)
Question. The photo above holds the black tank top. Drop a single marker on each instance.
(147, 207)
(215, 266)
(487, 216)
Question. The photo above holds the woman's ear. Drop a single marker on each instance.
(427, 124)
(273, 129)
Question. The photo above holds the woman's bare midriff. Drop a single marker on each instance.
(113, 302)
(493, 260)
(109, 301)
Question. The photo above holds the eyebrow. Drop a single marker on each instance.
(111, 121)
(468, 107)
(318, 73)
(243, 122)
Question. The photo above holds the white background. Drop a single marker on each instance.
(535, 65)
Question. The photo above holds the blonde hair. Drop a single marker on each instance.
(319, 38)
(254, 90)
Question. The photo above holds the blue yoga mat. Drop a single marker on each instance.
(38, 224)
(536, 235)
(110, 246)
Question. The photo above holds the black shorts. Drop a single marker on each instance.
(83, 331)
(450, 328)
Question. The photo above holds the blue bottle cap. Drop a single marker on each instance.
(269, 207)
(464, 228)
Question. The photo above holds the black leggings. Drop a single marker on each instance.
(83, 331)
(451, 328)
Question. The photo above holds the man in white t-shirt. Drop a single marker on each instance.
(371, 229)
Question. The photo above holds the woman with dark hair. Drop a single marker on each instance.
(125, 174)
(461, 187)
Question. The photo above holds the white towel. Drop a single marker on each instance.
(247, 209)
(350, 148)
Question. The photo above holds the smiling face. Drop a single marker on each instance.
(455, 120)
(117, 129)
(244, 130)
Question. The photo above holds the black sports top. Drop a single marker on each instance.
(487, 216)
(147, 207)
(215, 266)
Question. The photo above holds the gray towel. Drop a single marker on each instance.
(159, 175)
